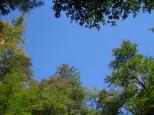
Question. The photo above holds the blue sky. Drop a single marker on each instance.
(52, 42)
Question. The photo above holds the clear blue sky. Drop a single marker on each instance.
(52, 42)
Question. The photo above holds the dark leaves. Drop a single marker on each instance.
(91, 13)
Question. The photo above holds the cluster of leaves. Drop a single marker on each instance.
(6, 6)
(11, 53)
(92, 13)
(133, 74)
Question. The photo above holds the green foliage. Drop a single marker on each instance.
(95, 12)
(11, 35)
(63, 93)
(133, 73)
(11, 95)
(12, 55)
(15, 70)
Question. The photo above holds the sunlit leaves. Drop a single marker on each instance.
(11, 35)
(133, 74)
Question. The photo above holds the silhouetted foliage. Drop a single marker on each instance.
(92, 13)
(6, 6)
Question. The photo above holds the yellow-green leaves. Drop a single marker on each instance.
(11, 35)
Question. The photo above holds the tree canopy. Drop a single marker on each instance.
(93, 13)
(88, 13)
(133, 73)
(6, 6)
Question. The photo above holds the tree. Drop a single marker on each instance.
(15, 71)
(12, 55)
(63, 93)
(6, 6)
(95, 12)
(133, 74)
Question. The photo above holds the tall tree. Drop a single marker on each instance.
(63, 93)
(133, 74)
(15, 70)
